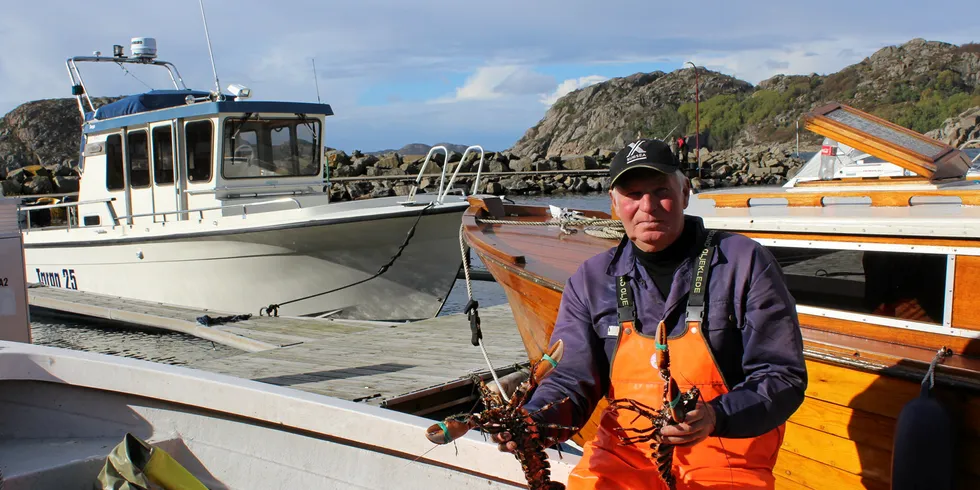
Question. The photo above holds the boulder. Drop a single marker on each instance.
(522, 165)
(367, 161)
(40, 184)
(337, 158)
(515, 184)
(66, 184)
(389, 160)
(579, 162)
(497, 166)
(494, 188)
(20, 176)
(358, 168)
(10, 188)
(545, 166)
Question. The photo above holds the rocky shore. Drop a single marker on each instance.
(359, 176)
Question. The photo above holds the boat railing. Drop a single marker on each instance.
(200, 211)
(71, 206)
(476, 181)
(78, 84)
(72, 218)
(445, 188)
(425, 164)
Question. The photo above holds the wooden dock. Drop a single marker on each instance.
(417, 367)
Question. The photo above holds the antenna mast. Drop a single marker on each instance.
(317, 82)
(217, 84)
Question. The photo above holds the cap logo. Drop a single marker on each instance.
(636, 152)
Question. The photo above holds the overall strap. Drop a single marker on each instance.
(699, 280)
(625, 306)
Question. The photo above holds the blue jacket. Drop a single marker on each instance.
(751, 327)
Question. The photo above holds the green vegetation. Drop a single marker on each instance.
(921, 104)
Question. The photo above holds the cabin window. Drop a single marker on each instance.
(270, 148)
(114, 179)
(139, 159)
(907, 286)
(163, 156)
(199, 136)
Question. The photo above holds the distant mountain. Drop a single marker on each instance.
(917, 85)
(419, 149)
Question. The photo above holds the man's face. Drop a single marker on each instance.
(651, 206)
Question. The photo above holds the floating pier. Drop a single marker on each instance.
(421, 367)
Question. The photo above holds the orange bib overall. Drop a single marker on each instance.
(714, 463)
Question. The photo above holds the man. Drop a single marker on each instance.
(738, 340)
(682, 149)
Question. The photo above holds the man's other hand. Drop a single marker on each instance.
(696, 427)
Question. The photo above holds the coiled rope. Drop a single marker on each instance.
(598, 227)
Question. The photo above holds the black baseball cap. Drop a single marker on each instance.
(643, 153)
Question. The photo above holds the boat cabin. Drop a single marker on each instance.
(163, 155)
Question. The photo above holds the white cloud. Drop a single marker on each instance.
(494, 82)
(571, 85)
(821, 57)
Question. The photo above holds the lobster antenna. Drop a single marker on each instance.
(217, 84)
(317, 82)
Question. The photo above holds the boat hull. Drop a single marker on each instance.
(245, 270)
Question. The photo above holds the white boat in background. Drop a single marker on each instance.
(64, 411)
(208, 200)
(837, 160)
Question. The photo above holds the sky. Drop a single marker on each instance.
(464, 71)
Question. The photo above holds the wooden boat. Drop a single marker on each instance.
(844, 245)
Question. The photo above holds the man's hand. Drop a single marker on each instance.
(696, 427)
(503, 442)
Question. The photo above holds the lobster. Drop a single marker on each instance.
(500, 415)
(674, 409)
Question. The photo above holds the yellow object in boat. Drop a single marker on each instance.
(135, 465)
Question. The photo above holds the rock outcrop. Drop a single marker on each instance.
(958, 130)
(917, 85)
(606, 116)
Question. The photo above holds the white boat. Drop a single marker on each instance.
(208, 200)
(64, 411)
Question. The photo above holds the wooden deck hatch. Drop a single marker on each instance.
(908, 149)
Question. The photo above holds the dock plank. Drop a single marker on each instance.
(355, 360)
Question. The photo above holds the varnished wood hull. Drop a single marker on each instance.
(842, 436)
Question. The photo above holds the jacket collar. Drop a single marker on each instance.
(623, 261)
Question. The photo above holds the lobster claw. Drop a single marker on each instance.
(446, 431)
(549, 360)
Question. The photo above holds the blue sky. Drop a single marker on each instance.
(460, 71)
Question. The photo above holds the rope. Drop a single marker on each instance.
(941, 355)
(273, 309)
(473, 316)
(611, 229)
(208, 320)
